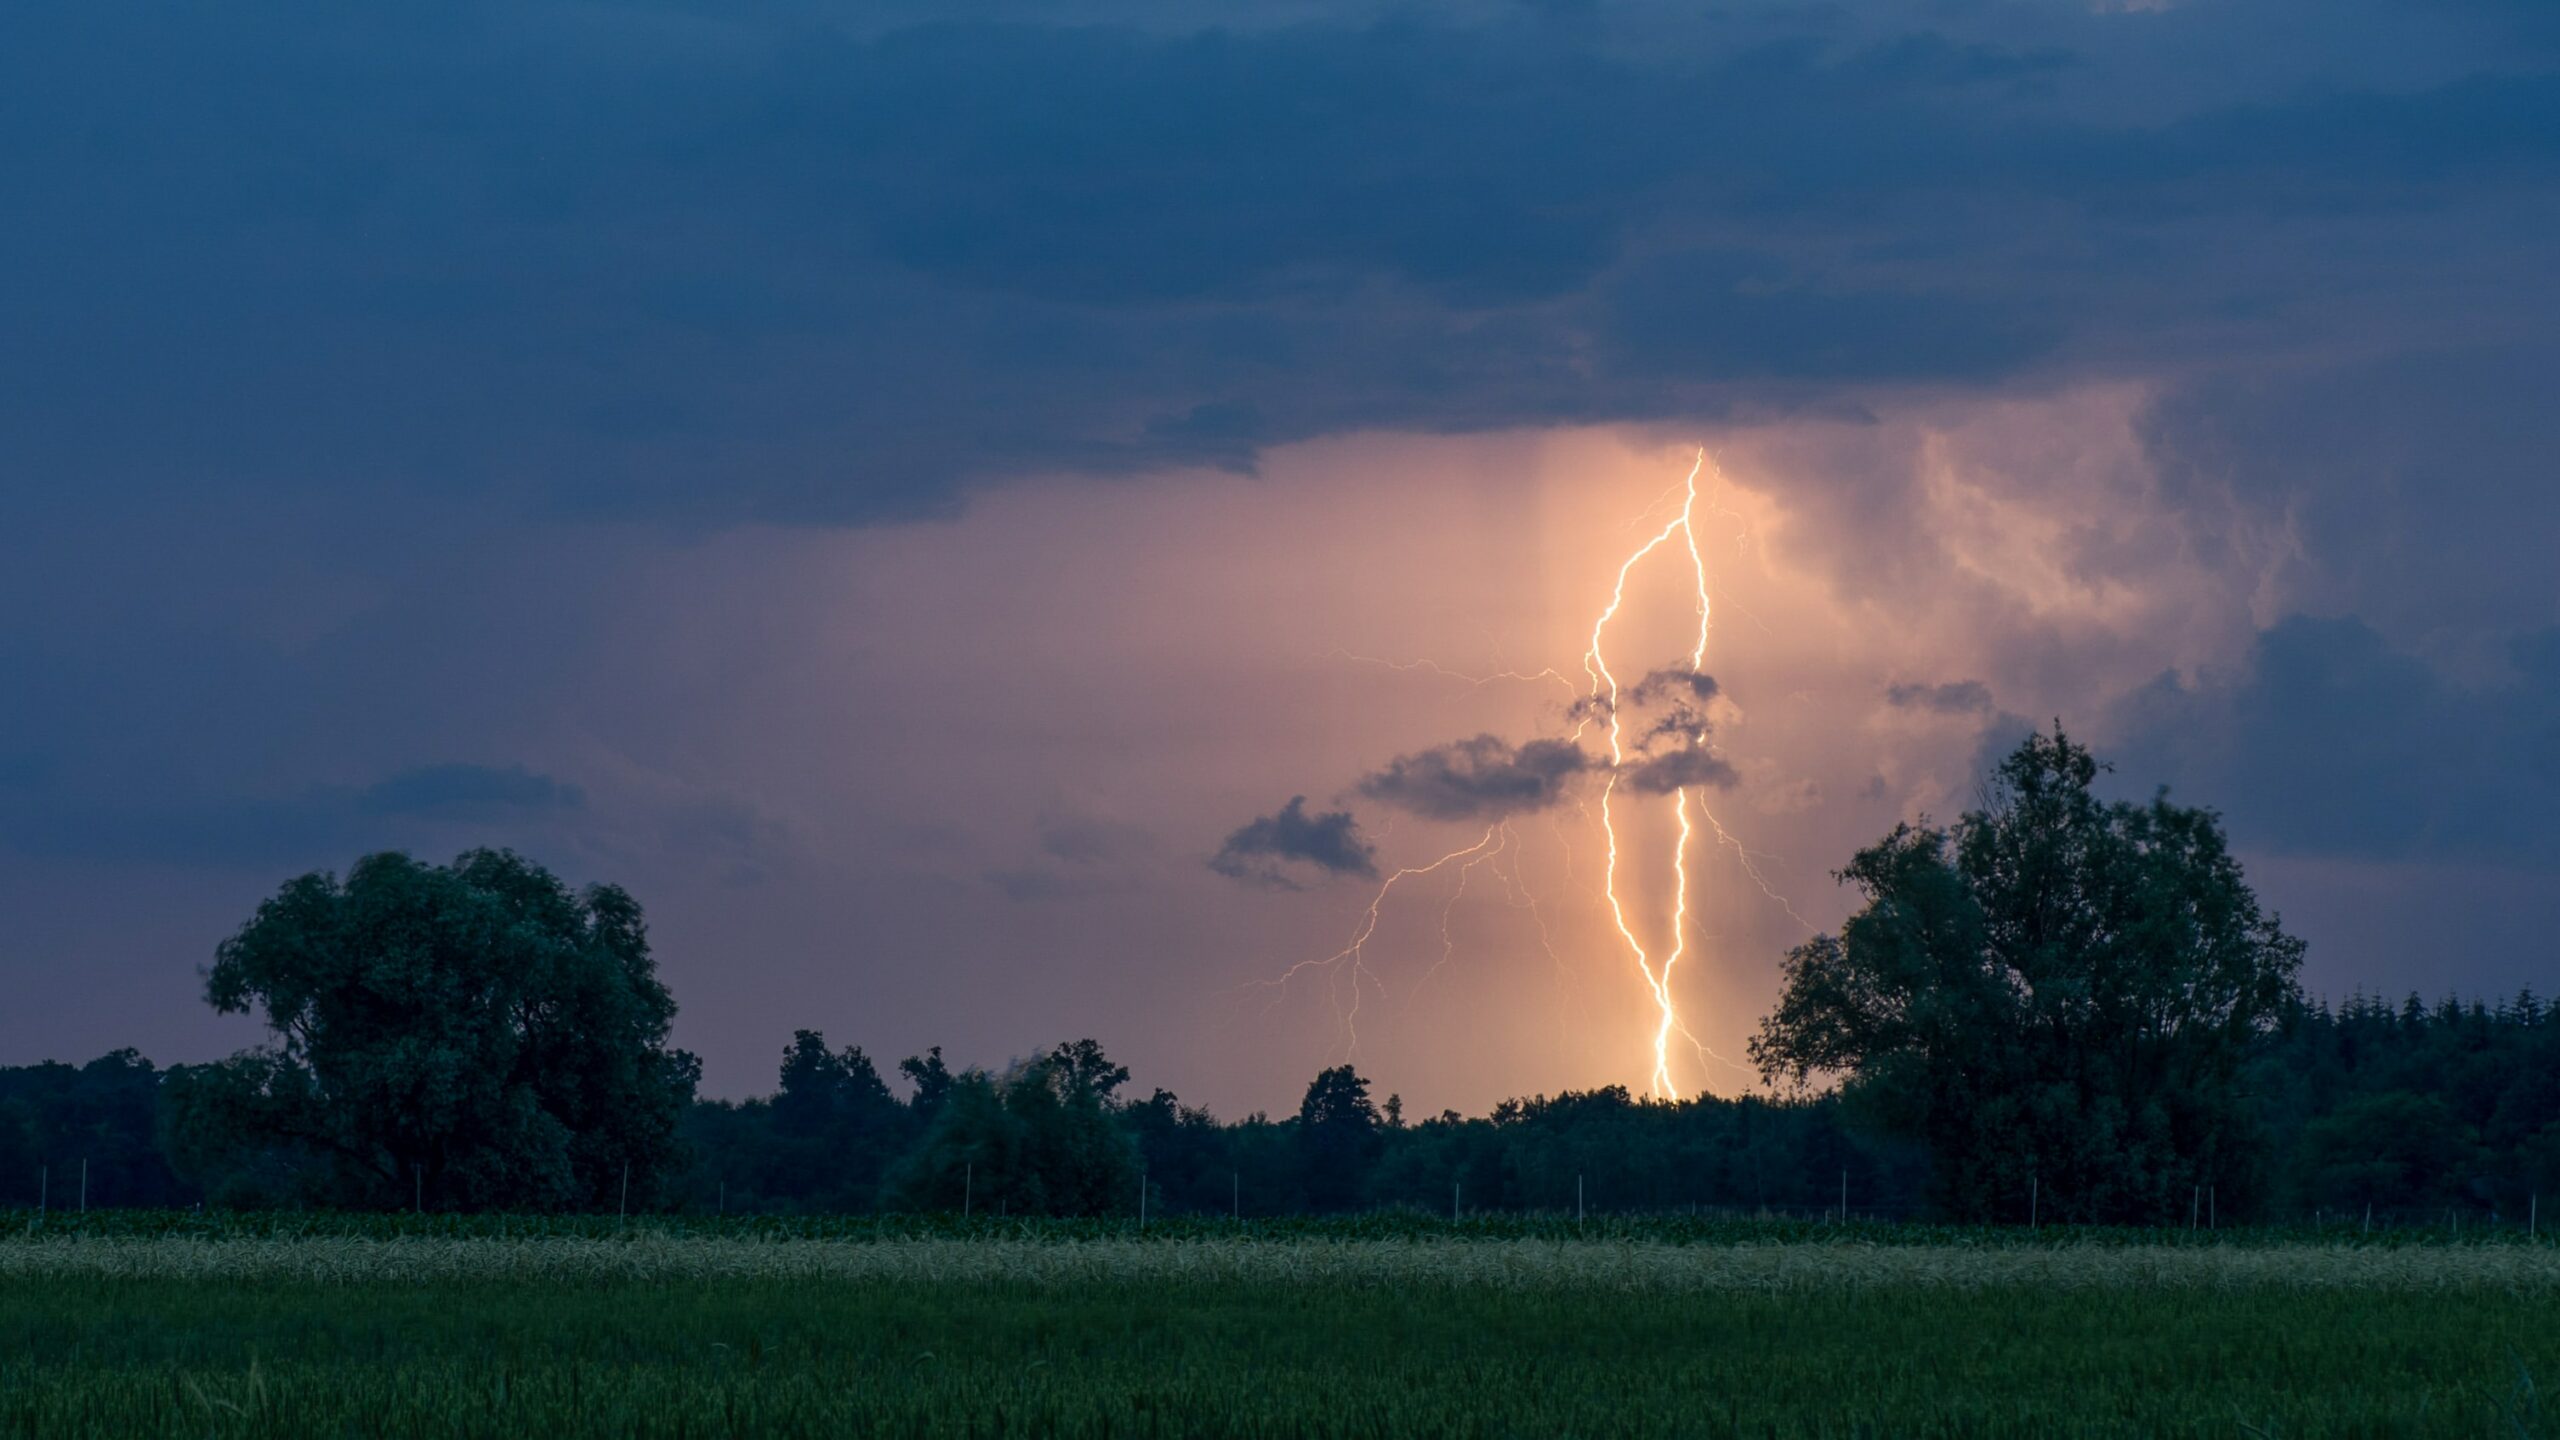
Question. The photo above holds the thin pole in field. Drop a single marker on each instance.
(44, 1187)
(418, 1188)
(1453, 1202)
(2368, 1217)
(622, 1207)
(2034, 1196)
(84, 1184)
(724, 1198)
(968, 1186)
(2195, 1205)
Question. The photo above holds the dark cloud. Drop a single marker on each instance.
(1710, 317)
(1484, 778)
(1954, 697)
(779, 262)
(1691, 686)
(1679, 770)
(1678, 695)
(1676, 700)
(2415, 485)
(2328, 741)
(1263, 850)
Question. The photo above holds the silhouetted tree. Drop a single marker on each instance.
(1082, 1063)
(932, 1080)
(1185, 1151)
(2391, 1151)
(836, 1127)
(55, 1116)
(473, 1033)
(1337, 1139)
(2058, 990)
(1041, 1141)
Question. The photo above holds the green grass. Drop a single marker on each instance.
(1381, 1325)
(422, 1334)
(1672, 1228)
(759, 1358)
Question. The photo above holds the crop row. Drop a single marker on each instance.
(1667, 1228)
(1400, 1264)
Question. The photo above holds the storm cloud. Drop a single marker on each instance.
(1679, 770)
(2328, 741)
(1691, 687)
(1483, 778)
(911, 253)
(1276, 849)
(564, 424)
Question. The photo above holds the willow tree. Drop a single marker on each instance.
(2056, 996)
(462, 1036)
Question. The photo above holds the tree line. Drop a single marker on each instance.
(2059, 1006)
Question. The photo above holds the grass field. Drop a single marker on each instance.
(280, 1327)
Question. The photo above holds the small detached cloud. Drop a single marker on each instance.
(1263, 851)
(1484, 778)
(1955, 697)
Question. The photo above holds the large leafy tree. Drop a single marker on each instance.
(1338, 1138)
(58, 1122)
(472, 1035)
(2056, 995)
(836, 1126)
(1045, 1139)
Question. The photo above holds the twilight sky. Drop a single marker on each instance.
(900, 486)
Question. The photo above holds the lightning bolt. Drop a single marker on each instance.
(1750, 867)
(1604, 695)
(1600, 700)
(1472, 682)
(1354, 955)
(1449, 908)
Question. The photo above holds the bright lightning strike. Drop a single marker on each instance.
(1605, 693)
(1602, 699)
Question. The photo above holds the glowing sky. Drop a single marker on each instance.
(899, 491)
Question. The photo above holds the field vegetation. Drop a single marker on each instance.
(381, 1328)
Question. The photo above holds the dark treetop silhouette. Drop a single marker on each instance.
(2056, 994)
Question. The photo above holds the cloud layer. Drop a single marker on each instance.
(796, 262)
